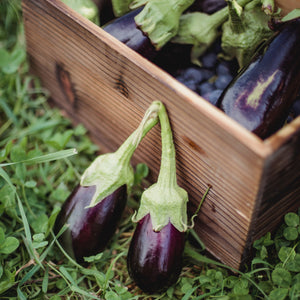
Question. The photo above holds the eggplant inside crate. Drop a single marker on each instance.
(101, 83)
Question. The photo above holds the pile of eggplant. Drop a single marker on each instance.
(231, 52)
(260, 86)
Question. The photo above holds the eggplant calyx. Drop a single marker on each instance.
(235, 16)
(120, 7)
(165, 200)
(86, 8)
(159, 19)
(242, 45)
(201, 30)
(111, 170)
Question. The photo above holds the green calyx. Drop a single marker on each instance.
(120, 7)
(86, 8)
(235, 16)
(165, 200)
(159, 19)
(244, 31)
(110, 171)
(201, 30)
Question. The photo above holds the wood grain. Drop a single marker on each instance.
(107, 87)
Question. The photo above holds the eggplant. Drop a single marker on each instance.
(95, 206)
(261, 95)
(90, 229)
(155, 258)
(207, 6)
(126, 31)
(155, 251)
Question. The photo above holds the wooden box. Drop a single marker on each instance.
(103, 84)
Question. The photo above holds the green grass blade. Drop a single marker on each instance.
(28, 232)
(45, 281)
(44, 158)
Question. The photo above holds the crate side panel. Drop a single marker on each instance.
(100, 87)
(281, 177)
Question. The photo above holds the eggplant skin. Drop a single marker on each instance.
(90, 229)
(154, 259)
(261, 95)
(207, 6)
(126, 31)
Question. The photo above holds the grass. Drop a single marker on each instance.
(38, 170)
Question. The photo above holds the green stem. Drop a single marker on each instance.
(111, 170)
(199, 206)
(126, 150)
(167, 174)
(235, 16)
(220, 16)
(164, 200)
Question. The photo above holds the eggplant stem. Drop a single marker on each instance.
(167, 174)
(149, 120)
(235, 16)
(111, 170)
(165, 200)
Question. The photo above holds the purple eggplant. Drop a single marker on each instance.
(207, 6)
(171, 57)
(155, 252)
(95, 207)
(90, 229)
(126, 31)
(261, 95)
(155, 258)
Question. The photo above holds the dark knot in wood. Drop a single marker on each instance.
(122, 87)
(65, 83)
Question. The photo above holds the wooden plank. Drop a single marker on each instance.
(280, 188)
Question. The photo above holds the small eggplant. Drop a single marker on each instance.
(126, 31)
(155, 258)
(94, 208)
(90, 229)
(261, 95)
(155, 252)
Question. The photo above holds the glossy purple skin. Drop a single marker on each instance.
(278, 65)
(207, 6)
(126, 31)
(90, 229)
(154, 259)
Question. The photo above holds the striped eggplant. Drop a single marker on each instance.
(261, 95)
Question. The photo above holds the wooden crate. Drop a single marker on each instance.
(106, 86)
